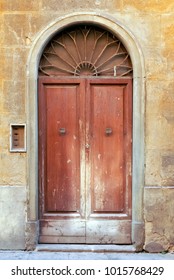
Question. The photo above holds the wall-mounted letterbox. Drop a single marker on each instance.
(17, 137)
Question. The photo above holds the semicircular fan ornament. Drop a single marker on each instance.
(85, 51)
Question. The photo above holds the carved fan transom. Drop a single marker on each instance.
(85, 51)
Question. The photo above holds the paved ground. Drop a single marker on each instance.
(20, 255)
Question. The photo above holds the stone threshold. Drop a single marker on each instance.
(108, 248)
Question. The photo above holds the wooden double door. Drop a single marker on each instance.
(85, 160)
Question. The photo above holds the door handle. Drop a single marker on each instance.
(62, 131)
(108, 131)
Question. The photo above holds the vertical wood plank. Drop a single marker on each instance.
(62, 189)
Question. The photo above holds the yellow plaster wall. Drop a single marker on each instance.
(152, 25)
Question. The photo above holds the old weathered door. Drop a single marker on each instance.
(85, 151)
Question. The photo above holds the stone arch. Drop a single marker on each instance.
(129, 41)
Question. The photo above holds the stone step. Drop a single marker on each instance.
(108, 248)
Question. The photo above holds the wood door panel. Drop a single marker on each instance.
(116, 232)
(85, 160)
(107, 148)
(62, 191)
(51, 239)
(62, 228)
(62, 231)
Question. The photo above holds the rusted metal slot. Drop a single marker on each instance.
(108, 131)
(62, 131)
(17, 138)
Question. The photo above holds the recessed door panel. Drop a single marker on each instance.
(62, 156)
(85, 151)
(107, 148)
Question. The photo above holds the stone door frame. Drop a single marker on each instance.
(130, 42)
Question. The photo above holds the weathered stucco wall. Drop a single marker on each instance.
(152, 26)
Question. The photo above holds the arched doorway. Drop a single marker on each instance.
(85, 138)
(120, 30)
